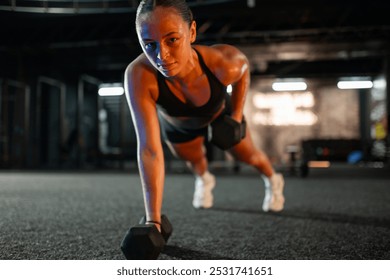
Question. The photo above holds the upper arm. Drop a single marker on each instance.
(140, 87)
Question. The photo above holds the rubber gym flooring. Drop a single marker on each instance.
(339, 213)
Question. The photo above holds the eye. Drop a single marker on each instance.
(150, 46)
(173, 40)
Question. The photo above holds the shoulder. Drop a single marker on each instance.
(140, 76)
(226, 61)
(139, 68)
(220, 51)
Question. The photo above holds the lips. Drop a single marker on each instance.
(165, 66)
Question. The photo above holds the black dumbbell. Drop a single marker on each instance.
(144, 241)
(166, 226)
(227, 132)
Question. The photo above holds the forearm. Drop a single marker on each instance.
(240, 89)
(151, 168)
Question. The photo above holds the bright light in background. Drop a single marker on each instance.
(378, 92)
(251, 3)
(354, 84)
(284, 109)
(279, 118)
(380, 83)
(318, 164)
(111, 89)
(289, 86)
(279, 100)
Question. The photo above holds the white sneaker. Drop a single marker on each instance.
(203, 195)
(274, 199)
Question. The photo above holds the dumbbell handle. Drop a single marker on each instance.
(243, 128)
(166, 226)
(154, 222)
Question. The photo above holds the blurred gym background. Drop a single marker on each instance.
(58, 58)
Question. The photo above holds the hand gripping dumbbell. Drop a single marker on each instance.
(144, 241)
(225, 132)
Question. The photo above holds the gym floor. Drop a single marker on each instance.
(338, 213)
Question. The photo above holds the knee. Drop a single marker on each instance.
(254, 159)
(193, 155)
(197, 157)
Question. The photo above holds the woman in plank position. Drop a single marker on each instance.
(180, 89)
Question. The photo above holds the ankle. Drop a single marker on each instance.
(203, 176)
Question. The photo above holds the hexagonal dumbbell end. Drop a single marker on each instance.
(142, 242)
(166, 226)
(225, 132)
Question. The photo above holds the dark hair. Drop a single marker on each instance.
(147, 6)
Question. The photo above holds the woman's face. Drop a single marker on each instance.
(166, 40)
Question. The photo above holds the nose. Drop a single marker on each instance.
(162, 52)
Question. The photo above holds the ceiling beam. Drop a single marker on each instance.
(88, 6)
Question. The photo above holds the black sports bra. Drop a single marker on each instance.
(174, 107)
